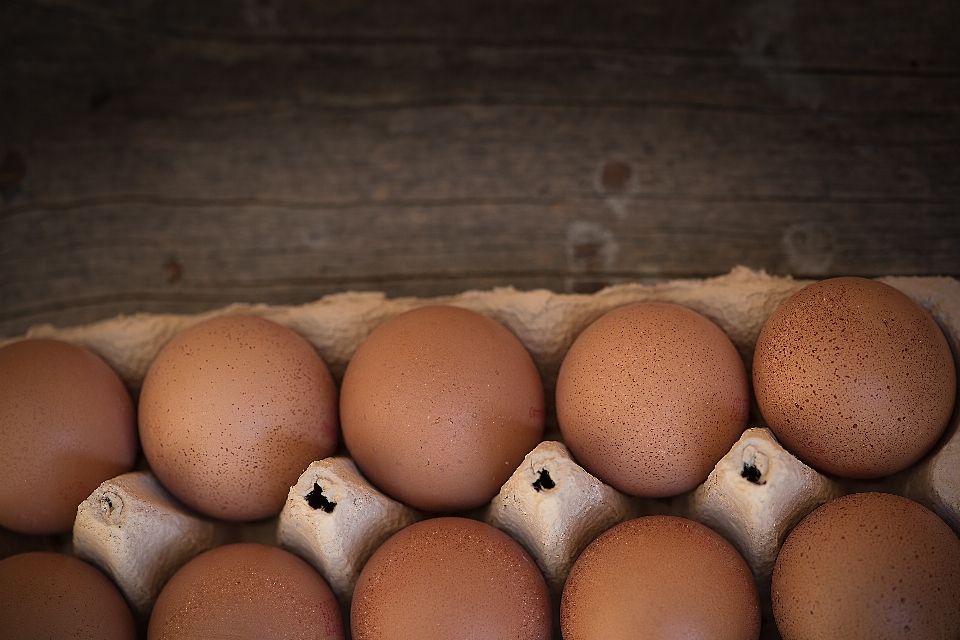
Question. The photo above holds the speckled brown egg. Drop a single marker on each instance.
(854, 378)
(660, 578)
(66, 425)
(450, 578)
(439, 406)
(246, 591)
(866, 566)
(650, 397)
(50, 595)
(231, 413)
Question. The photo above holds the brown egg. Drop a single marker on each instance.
(450, 578)
(50, 595)
(231, 413)
(66, 425)
(868, 565)
(854, 378)
(660, 578)
(246, 591)
(439, 406)
(650, 397)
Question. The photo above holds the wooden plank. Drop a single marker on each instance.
(440, 249)
(176, 157)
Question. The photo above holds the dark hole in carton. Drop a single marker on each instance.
(317, 500)
(544, 481)
(751, 473)
(111, 505)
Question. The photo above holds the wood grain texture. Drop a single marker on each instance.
(177, 156)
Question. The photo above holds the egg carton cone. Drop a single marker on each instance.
(139, 535)
(334, 518)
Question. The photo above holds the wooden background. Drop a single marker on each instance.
(179, 155)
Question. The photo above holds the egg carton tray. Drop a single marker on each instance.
(139, 534)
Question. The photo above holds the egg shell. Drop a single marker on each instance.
(650, 397)
(231, 413)
(50, 595)
(66, 425)
(660, 578)
(868, 565)
(439, 405)
(246, 591)
(450, 578)
(854, 377)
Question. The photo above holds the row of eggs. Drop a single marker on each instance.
(652, 365)
(867, 565)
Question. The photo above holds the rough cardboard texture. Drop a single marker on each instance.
(338, 530)
(139, 535)
(554, 508)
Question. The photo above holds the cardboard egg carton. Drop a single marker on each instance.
(334, 518)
